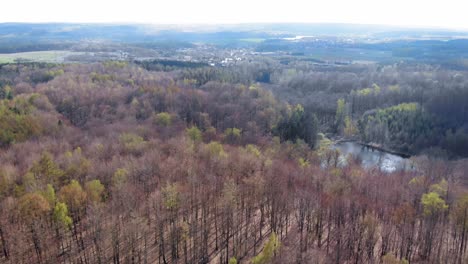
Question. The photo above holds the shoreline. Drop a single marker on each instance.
(372, 146)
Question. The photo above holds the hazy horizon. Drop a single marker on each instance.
(209, 25)
(399, 13)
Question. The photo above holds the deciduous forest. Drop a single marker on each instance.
(121, 162)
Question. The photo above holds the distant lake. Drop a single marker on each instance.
(372, 157)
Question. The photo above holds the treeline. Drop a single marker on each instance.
(449, 53)
(441, 94)
(28, 46)
(132, 166)
(169, 65)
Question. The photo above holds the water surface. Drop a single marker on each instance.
(372, 157)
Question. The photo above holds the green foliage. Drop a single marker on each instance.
(404, 126)
(456, 142)
(394, 88)
(440, 188)
(232, 135)
(77, 166)
(329, 156)
(303, 163)
(47, 170)
(364, 92)
(268, 252)
(299, 125)
(130, 139)
(418, 181)
(94, 190)
(49, 194)
(73, 195)
(132, 142)
(40, 102)
(50, 74)
(340, 115)
(375, 90)
(163, 119)
(215, 149)
(194, 134)
(5, 92)
(433, 204)
(171, 196)
(96, 77)
(21, 106)
(61, 216)
(233, 260)
(120, 177)
(30, 183)
(115, 64)
(18, 190)
(323, 143)
(253, 150)
(349, 128)
(16, 122)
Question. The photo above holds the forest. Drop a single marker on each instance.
(172, 162)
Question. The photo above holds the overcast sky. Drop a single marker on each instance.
(430, 13)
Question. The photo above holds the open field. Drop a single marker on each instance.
(37, 56)
(253, 40)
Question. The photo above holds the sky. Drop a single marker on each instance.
(426, 13)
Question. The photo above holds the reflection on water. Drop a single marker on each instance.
(372, 157)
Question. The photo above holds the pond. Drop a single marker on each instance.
(371, 157)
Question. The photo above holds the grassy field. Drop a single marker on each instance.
(253, 40)
(36, 56)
